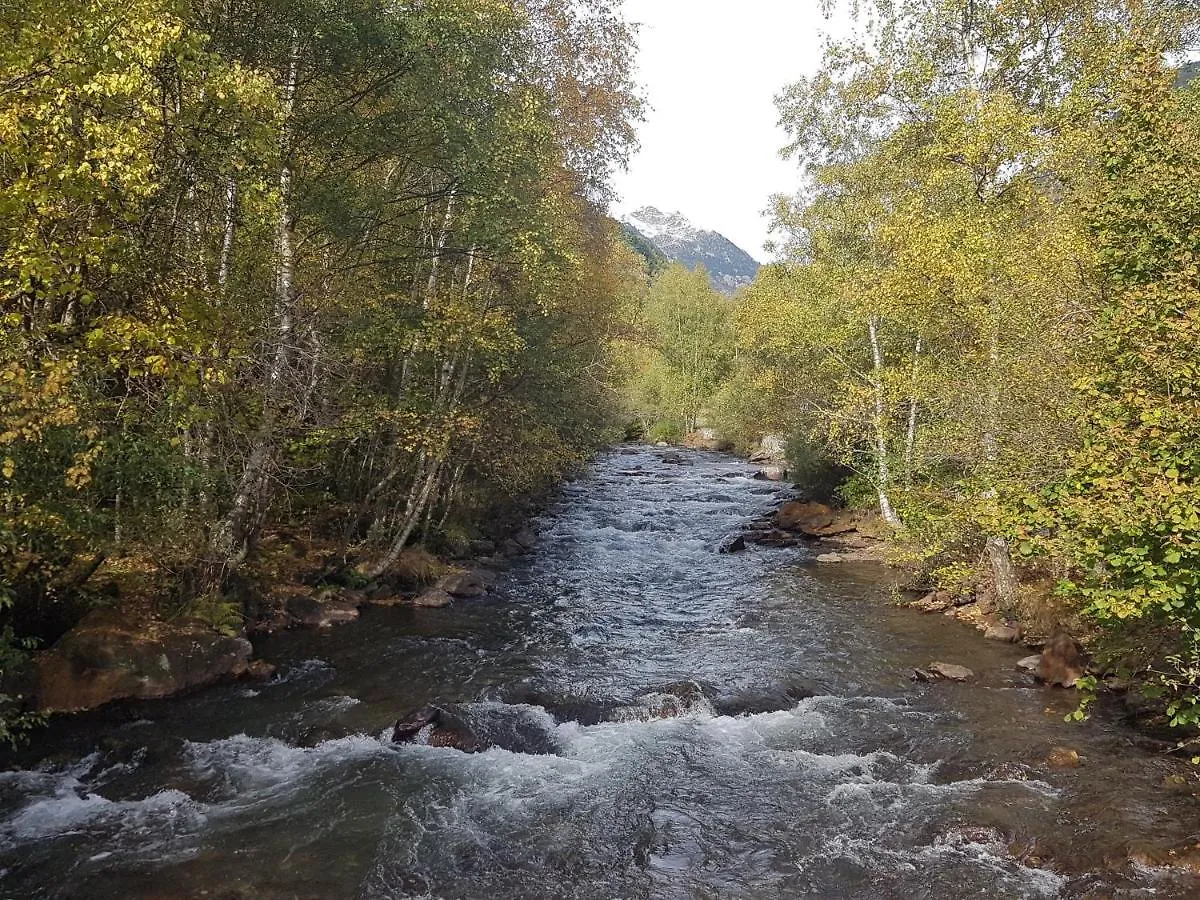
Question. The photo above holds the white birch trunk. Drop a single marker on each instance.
(882, 472)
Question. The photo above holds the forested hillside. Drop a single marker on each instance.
(338, 268)
(987, 308)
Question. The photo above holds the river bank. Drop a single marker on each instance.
(808, 763)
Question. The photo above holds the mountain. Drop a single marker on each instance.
(729, 266)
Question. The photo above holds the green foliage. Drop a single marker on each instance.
(684, 353)
(263, 263)
(222, 614)
(988, 304)
(1127, 512)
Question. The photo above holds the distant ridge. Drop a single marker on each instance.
(676, 239)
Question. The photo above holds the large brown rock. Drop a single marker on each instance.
(464, 585)
(109, 657)
(1063, 662)
(813, 519)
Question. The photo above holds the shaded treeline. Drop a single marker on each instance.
(335, 265)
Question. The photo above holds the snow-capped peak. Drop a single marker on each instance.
(728, 265)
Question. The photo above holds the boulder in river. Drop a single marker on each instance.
(436, 727)
(111, 657)
(464, 585)
(813, 519)
(1062, 662)
(733, 544)
(432, 598)
(939, 671)
(1063, 758)
(1001, 632)
(307, 611)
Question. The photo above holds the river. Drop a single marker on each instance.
(807, 763)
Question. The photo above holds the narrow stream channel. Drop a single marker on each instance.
(807, 764)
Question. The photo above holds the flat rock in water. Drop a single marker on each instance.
(951, 672)
(464, 585)
(830, 558)
(1005, 633)
(433, 598)
(934, 601)
(1029, 663)
(109, 657)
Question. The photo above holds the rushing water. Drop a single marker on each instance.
(807, 764)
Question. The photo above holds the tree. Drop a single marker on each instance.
(688, 348)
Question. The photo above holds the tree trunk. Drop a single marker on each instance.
(226, 262)
(882, 472)
(233, 536)
(910, 438)
(1004, 577)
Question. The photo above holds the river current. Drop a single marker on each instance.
(806, 762)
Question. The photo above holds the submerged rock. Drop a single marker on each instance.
(435, 727)
(1063, 758)
(110, 657)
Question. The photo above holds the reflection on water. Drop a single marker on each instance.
(662, 720)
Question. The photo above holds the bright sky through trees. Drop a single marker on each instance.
(710, 70)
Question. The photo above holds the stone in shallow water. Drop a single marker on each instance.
(734, 544)
(433, 598)
(1063, 758)
(951, 672)
(1005, 633)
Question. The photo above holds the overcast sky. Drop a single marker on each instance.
(710, 70)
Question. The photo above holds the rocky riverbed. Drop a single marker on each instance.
(647, 716)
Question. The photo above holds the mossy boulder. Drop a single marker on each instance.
(108, 656)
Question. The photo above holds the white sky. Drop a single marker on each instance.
(710, 70)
